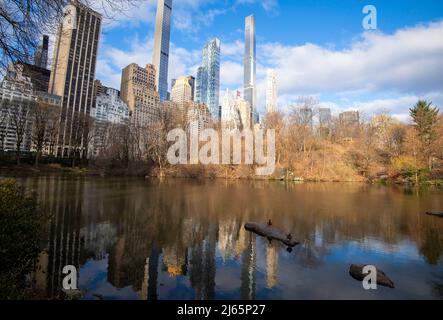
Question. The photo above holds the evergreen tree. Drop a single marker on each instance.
(425, 119)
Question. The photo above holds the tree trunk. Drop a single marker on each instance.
(18, 153)
(37, 156)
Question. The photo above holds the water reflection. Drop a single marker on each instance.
(178, 239)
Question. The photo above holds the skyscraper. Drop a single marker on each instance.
(235, 111)
(109, 111)
(39, 76)
(305, 117)
(191, 81)
(271, 92)
(20, 95)
(208, 78)
(181, 91)
(249, 66)
(201, 90)
(41, 55)
(324, 117)
(137, 91)
(73, 74)
(229, 114)
(349, 118)
(160, 57)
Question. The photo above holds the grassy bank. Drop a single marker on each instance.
(335, 172)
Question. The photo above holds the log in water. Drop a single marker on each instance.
(436, 214)
(356, 271)
(268, 231)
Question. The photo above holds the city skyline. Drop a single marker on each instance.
(309, 52)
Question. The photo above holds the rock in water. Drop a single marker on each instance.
(270, 232)
(356, 271)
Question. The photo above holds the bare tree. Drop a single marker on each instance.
(19, 115)
(157, 142)
(22, 22)
(275, 120)
(45, 122)
(81, 135)
(4, 114)
(39, 123)
(53, 130)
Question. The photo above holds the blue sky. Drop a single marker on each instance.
(318, 48)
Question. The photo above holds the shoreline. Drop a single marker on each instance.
(27, 170)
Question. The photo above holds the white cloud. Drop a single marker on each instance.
(376, 72)
(406, 65)
(270, 6)
(411, 60)
(112, 60)
(188, 15)
(126, 13)
(231, 74)
(234, 49)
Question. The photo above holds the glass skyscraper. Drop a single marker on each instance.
(208, 78)
(161, 46)
(249, 66)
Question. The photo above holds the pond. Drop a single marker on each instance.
(185, 239)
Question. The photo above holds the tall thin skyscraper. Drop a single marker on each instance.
(208, 78)
(73, 74)
(41, 55)
(271, 91)
(160, 57)
(250, 66)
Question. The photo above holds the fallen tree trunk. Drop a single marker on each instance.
(436, 214)
(356, 271)
(265, 230)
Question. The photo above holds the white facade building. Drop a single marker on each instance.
(244, 109)
(199, 116)
(181, 91)
(236, 112)
(16, 99)
(271, 92)
(108, 112)
(17, 102)
(230, 116)
(109, 107)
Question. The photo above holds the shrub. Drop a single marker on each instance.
(21, 231)
(408, 167)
